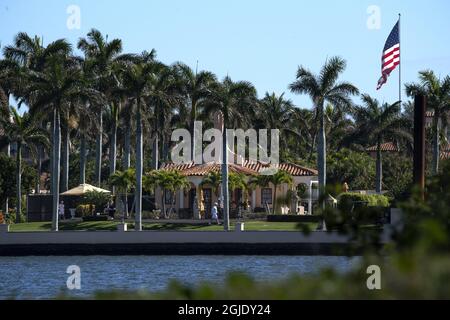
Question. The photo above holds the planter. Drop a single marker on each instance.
(122, 227)
(239, 227)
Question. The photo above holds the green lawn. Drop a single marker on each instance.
(111, 226)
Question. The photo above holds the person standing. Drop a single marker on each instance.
(61, 210)
(214, 214)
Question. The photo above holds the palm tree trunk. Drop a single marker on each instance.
(139, 163)
(83, 158)
(125, 206)
(113, 151)
(39, 168)
(379, 170)
(226, 212)
(322, 167)
(155, 160)
(193, 135)
(321, 156)
(19, 182)
(127, 151)
(8, 153)
(436, 151)
(274, 209)
(165, 146)
(126, 157)
(65, 160)
(99, 152)
(313, 145)
(55, 173)
(52, 153)
(163, 202)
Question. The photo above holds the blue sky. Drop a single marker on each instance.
(259, 41)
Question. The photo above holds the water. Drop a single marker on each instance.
(45, 277)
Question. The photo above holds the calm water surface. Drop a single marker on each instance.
(45, 277)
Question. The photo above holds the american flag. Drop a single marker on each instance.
(391, 55)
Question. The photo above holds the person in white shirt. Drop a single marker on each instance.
(61, 210)
(214, 214)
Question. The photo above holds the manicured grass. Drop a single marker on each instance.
(111, 226)
(76, 226)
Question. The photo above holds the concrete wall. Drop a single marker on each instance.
(114, 237)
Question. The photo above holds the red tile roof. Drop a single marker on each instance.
(249, 168)
(388, 146)
(291, 168)
(190, 169)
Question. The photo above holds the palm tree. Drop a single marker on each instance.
(30, 54)
(235, 101)
(168, 181)
(104, 57)
(277, 179)
(162, 102)
(85, 129)
(195, 86)
(324, 88)
(123, 180)
(437, 92)
(52, 91)
(23, 131)
(375, 124)
(275, 112)
(213, 179)
(139, 79)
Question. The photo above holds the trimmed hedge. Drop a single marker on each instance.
(359, 209)
(348, 200)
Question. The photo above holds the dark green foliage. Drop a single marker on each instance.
(369, 200)
(355, 168)
(8, 178)
(98, 199)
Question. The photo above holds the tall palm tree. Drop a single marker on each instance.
(52, 91)
(324, 88)
(31, 55)
(139, 79)
(162, 104)
(104, 56)
(86, 125)
(23, 131)
(235, 101)
(375, 124)
(437, 92)
(195, 86)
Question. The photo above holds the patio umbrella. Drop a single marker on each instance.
(82, 189)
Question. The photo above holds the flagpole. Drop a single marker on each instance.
(400, 61)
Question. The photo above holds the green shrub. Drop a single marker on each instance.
(347, 200)
(11, 217)
(98, 199)
(84, 210)
(357, 209)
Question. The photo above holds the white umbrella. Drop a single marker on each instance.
(82, 189)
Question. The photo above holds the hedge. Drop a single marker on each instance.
(348, 200)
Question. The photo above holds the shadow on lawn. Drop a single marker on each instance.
(173, 226)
